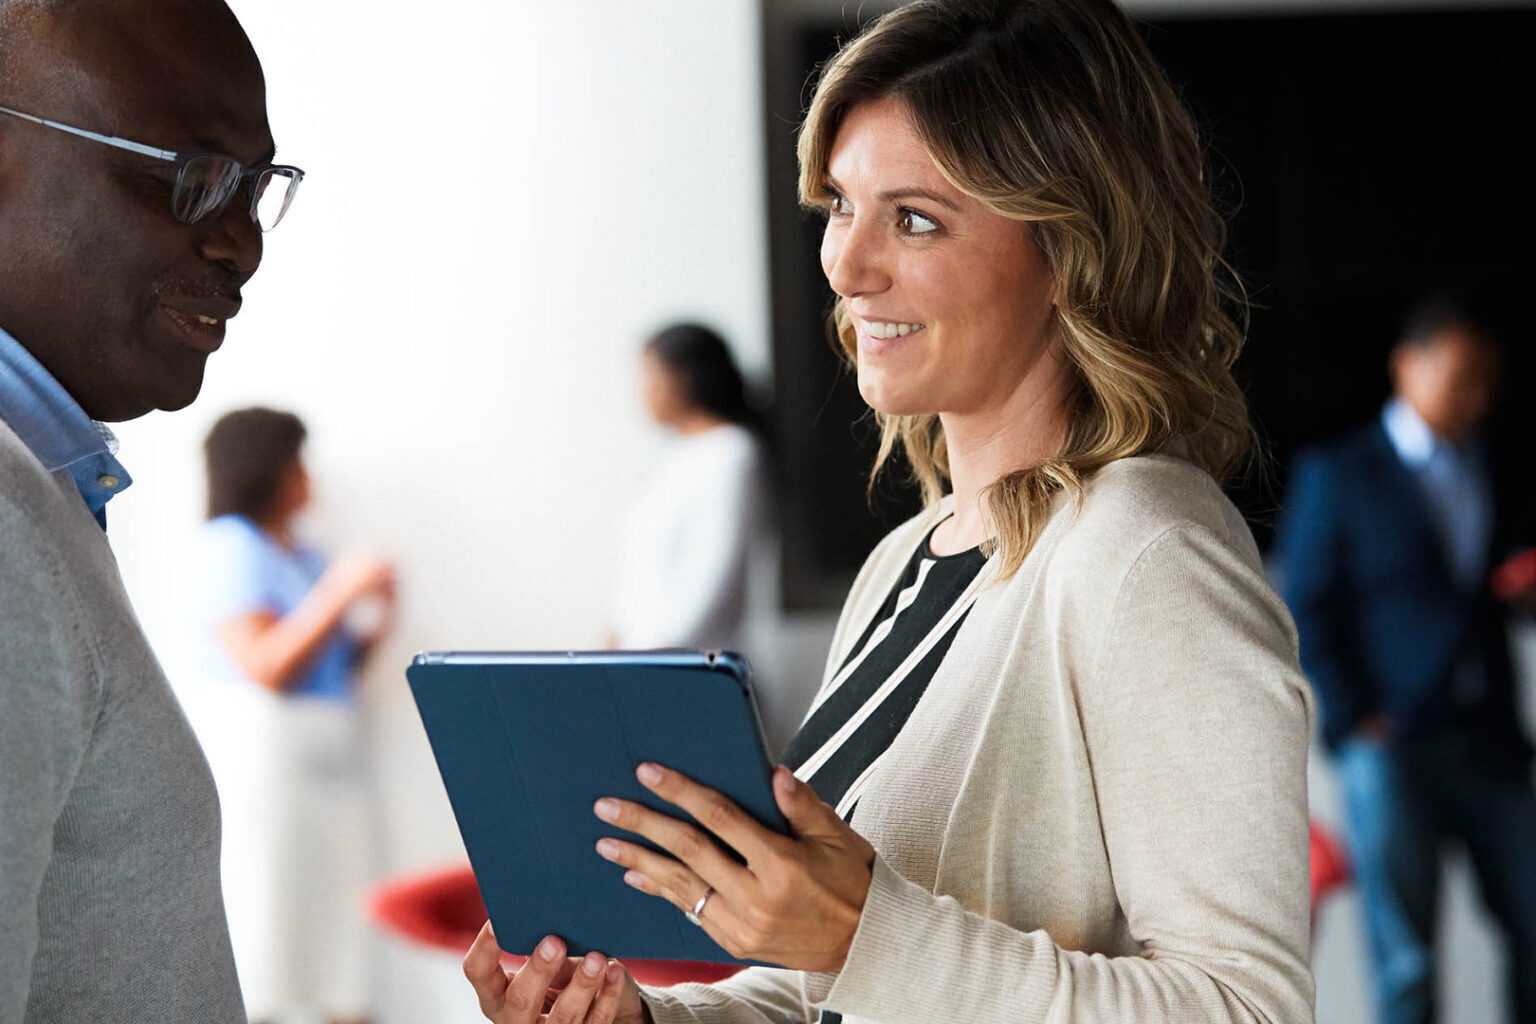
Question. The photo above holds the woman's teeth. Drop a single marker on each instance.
(879, 329)
(209, 320)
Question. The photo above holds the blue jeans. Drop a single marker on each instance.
(1403, 798)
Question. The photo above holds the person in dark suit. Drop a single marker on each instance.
(1385, 553)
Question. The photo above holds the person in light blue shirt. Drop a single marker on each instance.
(1386, 548)
(246, 572)
(279, 648)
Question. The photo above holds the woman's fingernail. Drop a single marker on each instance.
(648, 773)
(615, 973)
(787, 781)
(591, 965)
(635, 879)
(608, 849)
(549, 949)
(607, 809)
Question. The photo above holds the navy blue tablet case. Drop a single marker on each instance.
(526, 743)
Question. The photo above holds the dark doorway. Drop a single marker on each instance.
(1362, 159)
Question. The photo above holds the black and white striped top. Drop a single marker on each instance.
(856, 718)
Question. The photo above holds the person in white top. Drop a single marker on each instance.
(683, 577)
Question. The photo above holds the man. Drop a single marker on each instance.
(122, 254)
(1386, 550)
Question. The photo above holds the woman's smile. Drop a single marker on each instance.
(877, 337)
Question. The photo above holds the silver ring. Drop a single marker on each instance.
(698, 908)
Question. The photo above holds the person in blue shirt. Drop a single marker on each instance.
(1385, 552)
(278, 608)
(280, 643)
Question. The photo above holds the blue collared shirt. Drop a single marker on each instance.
(57, 430)
(1454, 481)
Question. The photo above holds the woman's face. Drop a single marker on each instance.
(664, 395)
(293, 491)
(952, 301)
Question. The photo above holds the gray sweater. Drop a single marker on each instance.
(110, 906)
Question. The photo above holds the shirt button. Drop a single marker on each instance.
(108, 481)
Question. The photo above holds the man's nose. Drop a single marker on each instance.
(233, 238)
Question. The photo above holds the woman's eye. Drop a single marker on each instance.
(838, 206)
(913, 223)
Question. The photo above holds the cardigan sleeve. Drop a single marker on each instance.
(758, 995)
(1196, 721)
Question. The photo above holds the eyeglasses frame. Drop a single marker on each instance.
(181, 160)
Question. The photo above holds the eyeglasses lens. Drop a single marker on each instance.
(272, 192)
(204, 186)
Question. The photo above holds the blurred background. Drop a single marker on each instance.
(506, 199)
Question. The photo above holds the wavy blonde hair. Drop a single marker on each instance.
(1054, 113)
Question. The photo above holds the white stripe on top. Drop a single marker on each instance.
(904, 600)
(813, 763)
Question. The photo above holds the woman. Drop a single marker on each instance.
(683, 578)
(279, 721)
(1062, 711)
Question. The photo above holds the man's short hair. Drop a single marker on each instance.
(1436, 313)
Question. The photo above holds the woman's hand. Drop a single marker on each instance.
(797, 900)
(551, 987)
(358, 575)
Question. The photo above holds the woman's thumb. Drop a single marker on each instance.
(798, 802)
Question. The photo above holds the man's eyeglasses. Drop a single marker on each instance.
(205, 182)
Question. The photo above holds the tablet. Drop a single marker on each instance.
(527, 742)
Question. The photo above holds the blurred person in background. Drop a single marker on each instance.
(280, 648)
(137, 175)
(685, 575)
(1385, 552)
(1057, 767)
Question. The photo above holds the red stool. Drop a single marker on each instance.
(443, 909)
(1330, 867)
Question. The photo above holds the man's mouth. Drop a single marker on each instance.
(203, 332)
(202, 318)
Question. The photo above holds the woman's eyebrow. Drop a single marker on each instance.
(915, 192)
(904, 192)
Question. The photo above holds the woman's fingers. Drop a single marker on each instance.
(605, 1005)
(667, 878)
(572, 1005)
(714, 810)
(524, 1000)
(718, 919)
(482, 966)
(692, 847)
(588, 990)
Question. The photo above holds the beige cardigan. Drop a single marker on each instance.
(1098, 810)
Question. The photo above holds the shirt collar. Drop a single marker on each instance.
(56, 429)
(1410, 435)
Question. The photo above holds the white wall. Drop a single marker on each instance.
(503, 199)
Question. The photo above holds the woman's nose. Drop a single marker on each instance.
(853, 258)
